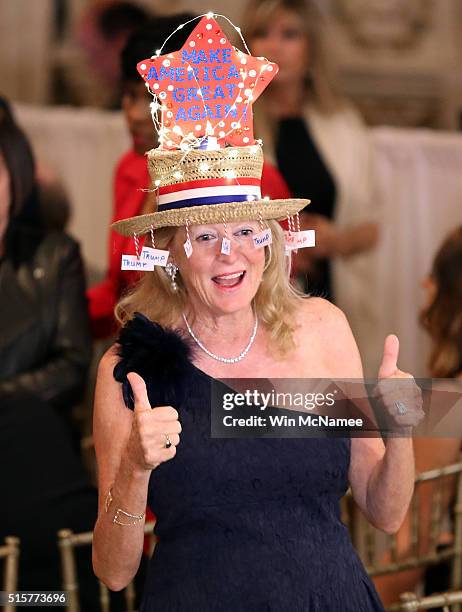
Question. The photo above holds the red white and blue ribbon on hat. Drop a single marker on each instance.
(208, 191)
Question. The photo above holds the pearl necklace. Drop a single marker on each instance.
(217, 357)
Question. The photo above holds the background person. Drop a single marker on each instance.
(441, 317)
(45, 345)
(322, 149)
(45, 349)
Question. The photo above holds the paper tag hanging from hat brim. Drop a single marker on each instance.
(299, 240)
(157, 257)
(263, 238)
(132, 262)
(136, 262)
(226, 246)
(188, 248)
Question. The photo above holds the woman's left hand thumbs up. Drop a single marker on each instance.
(397, 391)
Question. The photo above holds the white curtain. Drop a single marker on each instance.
(420, 173)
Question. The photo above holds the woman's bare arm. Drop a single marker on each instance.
(381, 478)
(117, 550)
(128, 446)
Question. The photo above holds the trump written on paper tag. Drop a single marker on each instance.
(131, 262)
(300, 240)
(157, 257)
(262, 238)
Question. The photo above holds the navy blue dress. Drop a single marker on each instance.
(244, 525)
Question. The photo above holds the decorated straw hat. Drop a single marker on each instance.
(207, 167)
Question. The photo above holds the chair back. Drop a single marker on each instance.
(436, 493)
(10, 553)
(68, 541)
(448, 601)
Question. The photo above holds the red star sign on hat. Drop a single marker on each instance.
(206, 89)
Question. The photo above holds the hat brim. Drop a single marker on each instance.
(211, 213)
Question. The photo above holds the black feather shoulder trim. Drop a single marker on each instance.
(157, 354)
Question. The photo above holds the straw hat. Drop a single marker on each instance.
(205, 172)
(205, 187)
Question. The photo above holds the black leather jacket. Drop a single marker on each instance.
(45, 342)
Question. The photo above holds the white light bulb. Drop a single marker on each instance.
(204, 167)
(157, 182)
(209, 15)
(158, 52)
(230, 174)
(178, 175)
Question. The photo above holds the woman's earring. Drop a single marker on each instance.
(171, 269)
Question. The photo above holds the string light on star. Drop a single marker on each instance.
(226, 81)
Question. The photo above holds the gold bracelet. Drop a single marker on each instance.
(135, 518)
(108, 500)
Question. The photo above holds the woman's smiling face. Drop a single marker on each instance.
(219, 283)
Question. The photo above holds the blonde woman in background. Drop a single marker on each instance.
(322, 149)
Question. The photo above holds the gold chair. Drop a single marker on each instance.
(10, 552)
(410, 602)
(434, 491)
(67, 542)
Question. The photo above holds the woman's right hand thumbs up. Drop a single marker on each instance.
(155, 431)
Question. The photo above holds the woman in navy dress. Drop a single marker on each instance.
(247, 523)
(243, 524)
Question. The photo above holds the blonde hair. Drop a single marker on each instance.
(276, 301)
(320, 84)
